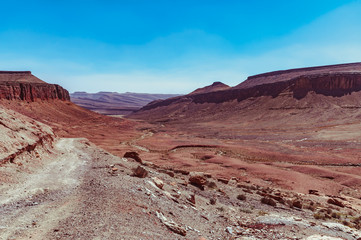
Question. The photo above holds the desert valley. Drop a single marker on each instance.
(275, 157)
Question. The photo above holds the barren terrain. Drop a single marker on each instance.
(78, 191)
(274, 165)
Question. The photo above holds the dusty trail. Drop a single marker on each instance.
(32, 207)
(74, 193)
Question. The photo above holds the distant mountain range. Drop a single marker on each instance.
(113, 103)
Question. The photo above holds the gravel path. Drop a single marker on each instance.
(43, 194)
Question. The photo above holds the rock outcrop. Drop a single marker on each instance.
(21, 135)
(26, 87)
(285, 75)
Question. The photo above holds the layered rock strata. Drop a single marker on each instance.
(328, 84)
(26, 87)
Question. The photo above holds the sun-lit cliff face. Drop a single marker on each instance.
(25, 86)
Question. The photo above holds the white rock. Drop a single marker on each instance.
(229, 230)
(159, 183)
(319, 237)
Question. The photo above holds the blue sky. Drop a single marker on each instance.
(173, 46)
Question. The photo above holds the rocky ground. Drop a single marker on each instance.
(78, 191)
(276, 165)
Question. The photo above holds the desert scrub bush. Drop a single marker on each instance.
(346, 223)
(212, 201)
(241, 197)
(336, 215)
(310, 207)
(319, 216)
(221, 209)
(262, 213)
(245, 210)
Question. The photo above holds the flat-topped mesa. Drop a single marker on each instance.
(286, 75)
(333, 80)
(22, 85)
(19, 76)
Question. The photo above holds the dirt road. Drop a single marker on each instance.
(43, 194)
(72, 193)
(78, 191)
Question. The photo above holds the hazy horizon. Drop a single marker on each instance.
(173, 47)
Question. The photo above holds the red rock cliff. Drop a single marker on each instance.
(24, 86)
(328, 84)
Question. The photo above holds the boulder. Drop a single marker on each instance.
(175, 228)
(197, 179)
(192, 198)
(223, 180)
(268, 201)
(140, 172)
(133, 155)
(171, 225)
(159, 183)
